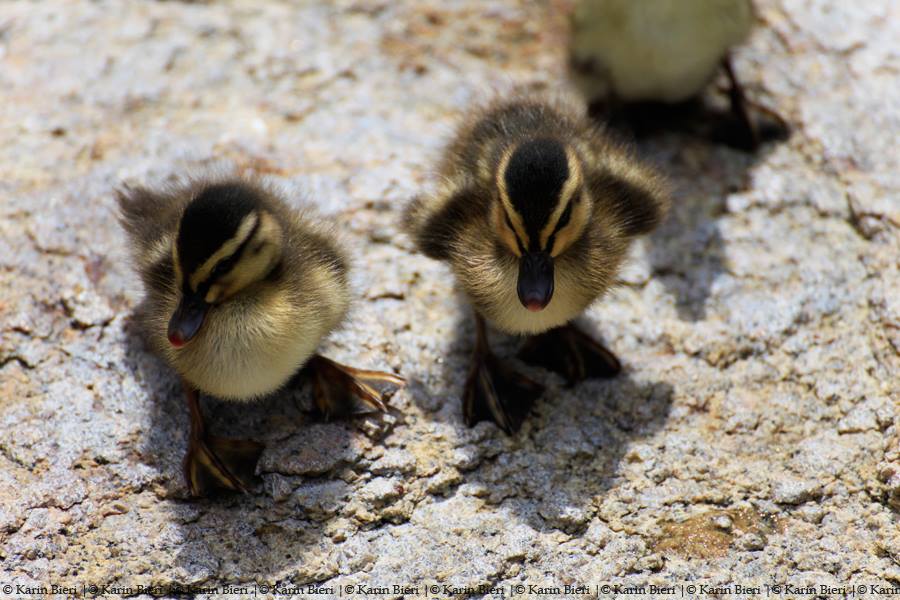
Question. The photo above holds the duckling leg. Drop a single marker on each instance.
(571, 353)
(747, 137)
(494, 391)
(340, 390)
(769, 125)
(215, 462)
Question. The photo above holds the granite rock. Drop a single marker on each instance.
(759, 326)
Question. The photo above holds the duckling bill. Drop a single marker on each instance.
(240, 289)
(535, 210)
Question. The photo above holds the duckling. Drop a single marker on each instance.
(662, 51)
(534, 213)
(239, 291)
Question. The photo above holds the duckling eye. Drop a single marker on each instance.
(513, 230)
(219, 270)
(564, 218)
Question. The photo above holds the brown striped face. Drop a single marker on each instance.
(541, 211)
(541, 206)
(225, 242)
(246, 258)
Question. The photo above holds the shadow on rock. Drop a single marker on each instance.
(570, 445)
(281, 525)
(708, 117)
(706, 154)
(687, 251)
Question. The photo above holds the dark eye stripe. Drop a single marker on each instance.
(562, 222)
(515, 235)
(223, 266)
(226, 264)
(550, 241)
(564, 218)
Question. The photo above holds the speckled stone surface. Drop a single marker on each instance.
(753, 438)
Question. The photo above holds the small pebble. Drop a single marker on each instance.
(723, 522)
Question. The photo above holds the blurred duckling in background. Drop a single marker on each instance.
(665, 52)
(534, 213)
(240, 290)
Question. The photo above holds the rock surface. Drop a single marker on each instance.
(754, 436)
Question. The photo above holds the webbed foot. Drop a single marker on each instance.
(494, 391)
(339, 390)
(571, 353)
(214, 462)
(221, 463)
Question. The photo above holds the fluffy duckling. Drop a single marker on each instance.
(661, 51)
(534, 213)
(240, 290)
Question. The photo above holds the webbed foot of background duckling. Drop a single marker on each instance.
(571, 353)
(340, 391)
(495, 392)
(214, 462)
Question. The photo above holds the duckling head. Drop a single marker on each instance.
(541, 211)
(226, 241)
